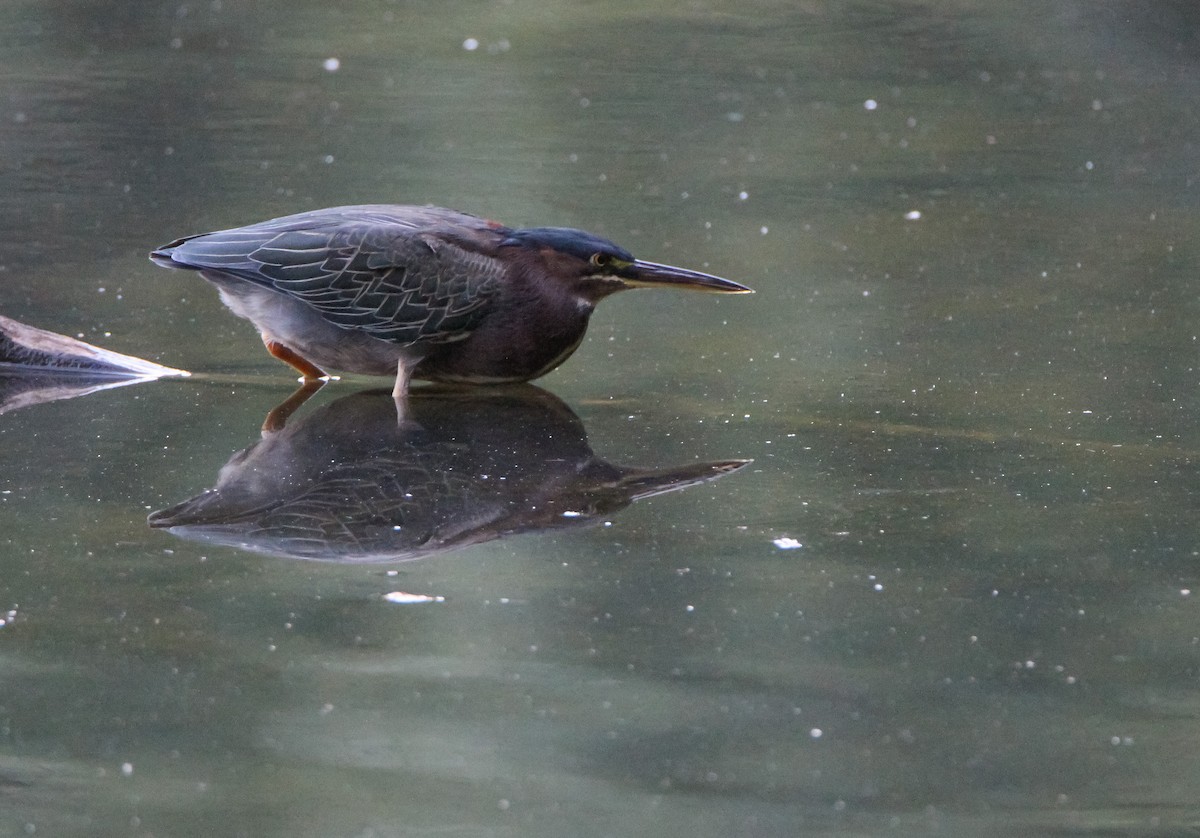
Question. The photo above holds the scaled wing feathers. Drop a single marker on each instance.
(391, 277)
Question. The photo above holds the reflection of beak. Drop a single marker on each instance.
(651, 274)
(646, 483)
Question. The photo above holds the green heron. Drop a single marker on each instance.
(419, 292)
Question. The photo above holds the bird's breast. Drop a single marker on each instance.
(512, 343)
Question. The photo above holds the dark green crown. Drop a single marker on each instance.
(577, 243)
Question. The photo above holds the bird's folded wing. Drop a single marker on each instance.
(396, 283)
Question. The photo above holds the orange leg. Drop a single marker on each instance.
(307, 369)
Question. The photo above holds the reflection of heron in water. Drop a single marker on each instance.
(348, 483)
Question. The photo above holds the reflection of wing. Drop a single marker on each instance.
(382, 509)
(380, 270)
(359, 507)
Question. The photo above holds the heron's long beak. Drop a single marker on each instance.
(651, 274)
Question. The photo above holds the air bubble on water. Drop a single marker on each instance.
(402, 598)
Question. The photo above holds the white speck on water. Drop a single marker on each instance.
(127, 769)
(1089, 165)
(689, 608)
(816, 733)
(912, 215)
(331, 65)
(502, 805)
(787, 543)
(764, 230)
(327, 159)
(1185, 591)
(471, 44)
(742, 196)
(870, 104)
(572, 514)
(735, 116)
(402, 598)
(1097, 105)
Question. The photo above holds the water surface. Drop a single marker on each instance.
(954, 592)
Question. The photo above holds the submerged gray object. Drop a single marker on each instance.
(37, 366)
(27, 347)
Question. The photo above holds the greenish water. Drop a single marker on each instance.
(955, 593)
